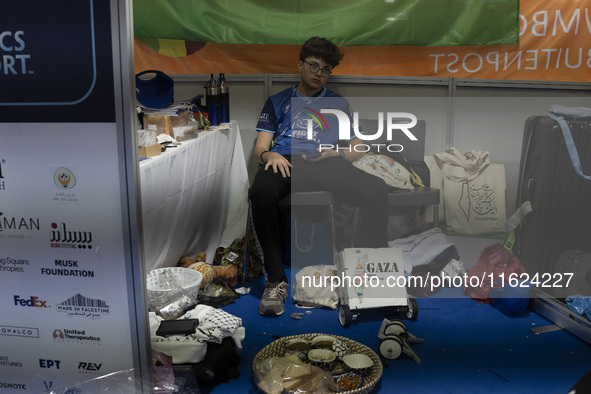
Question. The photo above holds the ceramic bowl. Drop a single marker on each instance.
(358, 363)
(340, 348)
(323, 342)
(322, 358)
(299, 346)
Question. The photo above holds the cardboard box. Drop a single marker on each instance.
(162, 124)
(181, 119)
(149, 150)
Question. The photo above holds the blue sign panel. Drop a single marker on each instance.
(52, 66)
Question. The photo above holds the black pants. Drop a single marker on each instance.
(336, 175)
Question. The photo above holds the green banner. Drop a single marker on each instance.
(345, 22)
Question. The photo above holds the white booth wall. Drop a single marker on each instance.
(487, 115)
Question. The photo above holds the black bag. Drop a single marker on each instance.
(219, 365)
(429, 270)
(572, 274)
(558, 196)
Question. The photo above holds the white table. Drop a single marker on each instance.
(194, 197)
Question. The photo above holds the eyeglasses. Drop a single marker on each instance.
(326, 71)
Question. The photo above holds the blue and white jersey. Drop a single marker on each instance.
(298, 124)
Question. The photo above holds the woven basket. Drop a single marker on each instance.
(162, 280)
(374, 375)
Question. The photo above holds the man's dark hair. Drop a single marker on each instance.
(321, 48)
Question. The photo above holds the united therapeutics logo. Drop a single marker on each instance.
(68, 335)
(62, 237)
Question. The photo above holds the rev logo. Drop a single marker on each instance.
(31, 302)
(85, 367)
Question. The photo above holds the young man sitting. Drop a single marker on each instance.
(300, 151)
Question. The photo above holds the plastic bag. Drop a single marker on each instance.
(172, 304)
(288, 374)
(495, 263)
(580, 305)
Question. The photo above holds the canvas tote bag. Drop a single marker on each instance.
(473, 192)
(385, 167)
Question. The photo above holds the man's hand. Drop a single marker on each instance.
(320, 155)
(278, 163)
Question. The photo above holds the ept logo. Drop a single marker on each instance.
(45, 363)
(31, 302)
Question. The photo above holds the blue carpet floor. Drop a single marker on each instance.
(469, 347)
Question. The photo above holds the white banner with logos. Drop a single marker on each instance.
(66, 261)
(64, 290)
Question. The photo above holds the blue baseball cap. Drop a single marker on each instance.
(156, 92)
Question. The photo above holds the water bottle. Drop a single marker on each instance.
(224, 99)
(212, 101)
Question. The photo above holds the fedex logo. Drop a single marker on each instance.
(31, 302)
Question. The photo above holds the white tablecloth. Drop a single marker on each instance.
(194, 198)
